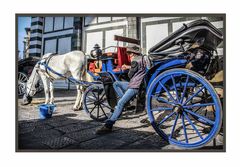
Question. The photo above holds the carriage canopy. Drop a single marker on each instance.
(189, 34)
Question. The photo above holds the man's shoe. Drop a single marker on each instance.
(103, 130)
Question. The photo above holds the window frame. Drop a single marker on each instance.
(53, 25)
(99, 23)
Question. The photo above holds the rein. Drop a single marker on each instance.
(70, 79)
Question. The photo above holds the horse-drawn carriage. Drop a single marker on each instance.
(182, 105)
(25, 67)
(181, 86)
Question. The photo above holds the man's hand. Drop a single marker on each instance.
(125, 67)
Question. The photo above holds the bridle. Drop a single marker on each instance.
(27, 94)
(46, 61)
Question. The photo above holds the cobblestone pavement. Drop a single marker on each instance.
(68, 130)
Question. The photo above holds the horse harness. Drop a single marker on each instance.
(45, 62)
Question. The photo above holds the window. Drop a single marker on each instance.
(95, 20)
(118, 18)
(50, 46)
(68, 23)
(109, 39)
(90, 20)
(48, 25)
(58, 23)
(103, 19)
(155, 33)
(177, 25)
(92, 39)
(64, 45)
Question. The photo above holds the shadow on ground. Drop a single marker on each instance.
(68, 133)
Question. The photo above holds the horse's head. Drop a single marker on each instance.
(31, 87)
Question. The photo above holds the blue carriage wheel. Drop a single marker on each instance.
(95, 103)
(184, 108)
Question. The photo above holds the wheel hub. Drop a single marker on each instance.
(97, 103)
(178, 109)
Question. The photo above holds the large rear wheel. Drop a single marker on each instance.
(184, 108)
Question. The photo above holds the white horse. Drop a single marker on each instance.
(73, 63)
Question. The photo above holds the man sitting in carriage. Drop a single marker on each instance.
(127, 90)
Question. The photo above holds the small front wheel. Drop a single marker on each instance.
(95, 103)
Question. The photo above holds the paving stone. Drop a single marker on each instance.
(128, 136)
(151, 143)
(32, 126)
(26, 130)
(46, 133)
(27, 142)
(59, 142)
(63, 123)
(56, 118)
(25, 124)
(101, 143)
(75, 127)
(83, 135)
(31, 146)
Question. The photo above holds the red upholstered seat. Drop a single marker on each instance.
(123, 58)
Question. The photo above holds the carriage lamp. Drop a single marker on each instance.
(96, 52)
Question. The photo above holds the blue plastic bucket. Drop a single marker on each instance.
(46, 110)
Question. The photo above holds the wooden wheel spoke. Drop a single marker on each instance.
(103, 111)
(199, 105)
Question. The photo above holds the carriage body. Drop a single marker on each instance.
(25, 67)
(182, 105)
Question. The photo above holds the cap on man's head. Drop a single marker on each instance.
(134, 49)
